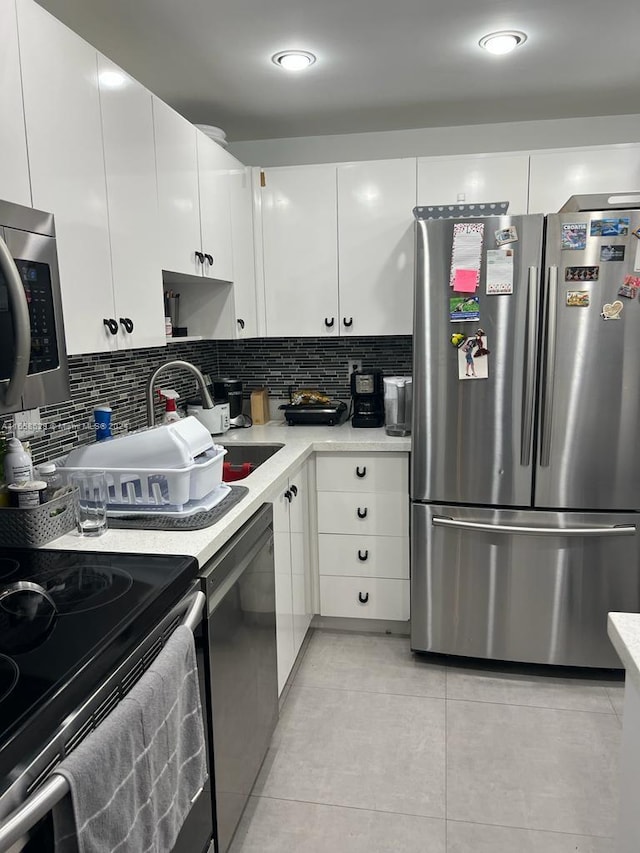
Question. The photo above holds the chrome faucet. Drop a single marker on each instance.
(207, 402)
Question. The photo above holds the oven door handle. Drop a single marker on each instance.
(56, 787)
(21, 330)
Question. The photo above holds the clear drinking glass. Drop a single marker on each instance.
(92, 509)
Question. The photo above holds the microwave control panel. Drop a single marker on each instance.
(37, 287)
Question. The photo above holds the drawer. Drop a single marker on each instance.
(370, 514)
(362, 472)
(363, 556)
(364, 598)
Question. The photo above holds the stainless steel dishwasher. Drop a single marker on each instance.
(239, 583)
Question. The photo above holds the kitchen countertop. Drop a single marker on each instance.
(624, 632)
(263, 484)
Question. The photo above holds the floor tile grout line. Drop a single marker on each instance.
(529, 828)
(340, 806)
(536, 707)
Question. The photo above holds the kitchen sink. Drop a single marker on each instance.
(250, 454)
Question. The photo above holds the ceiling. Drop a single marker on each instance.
(382, 64)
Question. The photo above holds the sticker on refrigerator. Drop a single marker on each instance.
(466, 281)
(463, 308)
(612, 253)
(473, 357)
(499, 271)
(636, 263)
(574, 235)
(636, 232)
(578, 298)
(466, 251)
(612, 310)
(581, 273)
(630, 287)
(618, 227)
(506, 235)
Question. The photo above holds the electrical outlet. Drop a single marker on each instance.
(27, 424)
(354, 366)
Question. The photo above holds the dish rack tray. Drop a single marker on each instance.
(36, 526)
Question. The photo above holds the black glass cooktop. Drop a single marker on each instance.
(66, 619)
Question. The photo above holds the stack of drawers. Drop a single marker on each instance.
(363, 534)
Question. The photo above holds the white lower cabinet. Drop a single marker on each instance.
(363, 535)
(293, 570)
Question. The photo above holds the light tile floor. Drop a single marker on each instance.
(380, 751)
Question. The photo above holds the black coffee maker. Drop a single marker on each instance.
(367, 390)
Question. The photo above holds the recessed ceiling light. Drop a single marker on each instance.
(503, 42)
(112, 79)
(293, 60)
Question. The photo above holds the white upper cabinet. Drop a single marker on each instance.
(300, 252)
(215, 218)
(475, 178)
(557, 175)
(376, 247)
(14, 168)
(242, 237)
(127, 124)
(66, 159)
(178, 193)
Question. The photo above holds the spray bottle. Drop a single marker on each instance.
(171, 410)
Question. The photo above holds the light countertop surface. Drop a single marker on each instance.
(624, 632)
(263, 484)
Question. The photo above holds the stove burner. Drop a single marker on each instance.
(27, 617)
(76, 589)
(9, 673)
(8, 567)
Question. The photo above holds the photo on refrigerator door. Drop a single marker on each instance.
(473, 357)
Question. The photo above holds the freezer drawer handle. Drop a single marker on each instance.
(616, 530)
(363, 598)
(362, 513)
(363, 557)
(360, 473)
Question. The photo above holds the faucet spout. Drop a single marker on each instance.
(207, 402)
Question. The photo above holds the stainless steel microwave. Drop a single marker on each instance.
(33, 358)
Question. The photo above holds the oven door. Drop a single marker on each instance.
(47, 380)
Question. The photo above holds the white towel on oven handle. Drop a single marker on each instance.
(134, 778)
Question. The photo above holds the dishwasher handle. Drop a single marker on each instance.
(234, 575)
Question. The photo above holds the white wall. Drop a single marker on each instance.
(469, 139)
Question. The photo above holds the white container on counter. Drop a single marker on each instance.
(18, 465)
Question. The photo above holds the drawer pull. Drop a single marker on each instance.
(288, 495)
(363, 598)
(362, 513)
(294, 491)
(360, 473)
(329, 322)
(363, 557)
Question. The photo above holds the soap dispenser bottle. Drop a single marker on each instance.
(171, 410)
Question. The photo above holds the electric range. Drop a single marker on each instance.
(66, 620)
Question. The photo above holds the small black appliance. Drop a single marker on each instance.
(367, 390)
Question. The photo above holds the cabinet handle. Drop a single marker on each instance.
(363, 558)
(127, 323)
(209, 259)
(363, 598)
(329, 322)
(240, 322)
(362, 513)
(200, 256)
(360, 473)
(288, 495)
(348, 323)
(111, 324)
(294, 490)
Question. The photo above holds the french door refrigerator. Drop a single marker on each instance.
(525, 482)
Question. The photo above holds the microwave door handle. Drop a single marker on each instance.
(21, 327)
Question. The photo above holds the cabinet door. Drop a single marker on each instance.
(474, 178)
(375, 239)
(284, 588)
(557, 175)
(300, 555)
(14, 168)
(299, 228)
(66, 159)
(244, 269)
(178, 195)
(127, 127)
(215, 216)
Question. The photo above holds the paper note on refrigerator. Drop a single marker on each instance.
(636, 264)
(499, 271)
(465, 281)
(466, 252)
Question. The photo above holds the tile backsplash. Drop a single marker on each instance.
(119, 379)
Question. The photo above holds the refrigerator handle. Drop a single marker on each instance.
(529, 368)
(549, 366)
(620, 530)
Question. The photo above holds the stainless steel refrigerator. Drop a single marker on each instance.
(525, 480)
